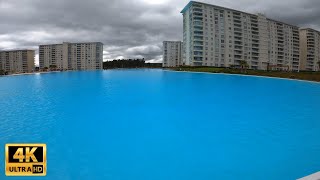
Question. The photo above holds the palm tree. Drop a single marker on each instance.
(2, 72)
(318, 65)
(52, 67)
(243, 65)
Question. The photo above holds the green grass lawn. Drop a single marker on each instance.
(310, 76)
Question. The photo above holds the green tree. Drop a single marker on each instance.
(243, 66)
(124, 63)
(2, 72)
(53, 67)
(268, 66)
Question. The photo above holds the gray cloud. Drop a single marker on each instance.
(128, 28)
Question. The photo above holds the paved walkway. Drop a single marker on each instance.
(315, 176)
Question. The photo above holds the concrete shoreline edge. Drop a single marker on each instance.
(316, 82)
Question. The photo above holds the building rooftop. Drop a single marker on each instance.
(220, 7)
(13, 50)
(191, 2)
(282, 22)
(71, 43)
(310, 29)
(173, 41)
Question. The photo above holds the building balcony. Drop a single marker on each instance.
(198, 18)
(237, 47)
(237, 30)
(254, 25)
(198, 24)
(238, 34)
(254, 21)
(296, 34)
(239, 57)
(196, 14)
(198, 43)
(237, 21)
(197, 10)
(237, 25)
(198, 48)
(236, 15)
(198, 38)
(238, 43)
(198, 28)
(197, 53)
(255, 33)
(255, 29)
(237, 52)
(255, 54)
(295, 63)
(255, 41)
(255, 49)
(255, 59)
(296, 30)
(198, 33)
(197, 58)
(255, 37)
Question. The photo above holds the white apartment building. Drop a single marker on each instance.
(222, 37)
(17, 61)
(71, 56)
(171, 54)
(309, 49)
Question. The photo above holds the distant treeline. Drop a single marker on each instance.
(129, 63)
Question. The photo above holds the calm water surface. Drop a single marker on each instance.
(160, 125)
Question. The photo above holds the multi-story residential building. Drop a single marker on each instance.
(309, 49)
(17, 61)
(284, 46)
(72, 56)
(223, 37)
(171, 53)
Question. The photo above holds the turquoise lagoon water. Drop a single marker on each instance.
(161, 125)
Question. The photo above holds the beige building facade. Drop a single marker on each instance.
(71, 56)
(17, 61)
(222, 37)
(172, 54)
(309, 49)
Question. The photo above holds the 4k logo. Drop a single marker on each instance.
(26, 159)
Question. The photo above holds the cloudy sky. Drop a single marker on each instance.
(128, 28)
